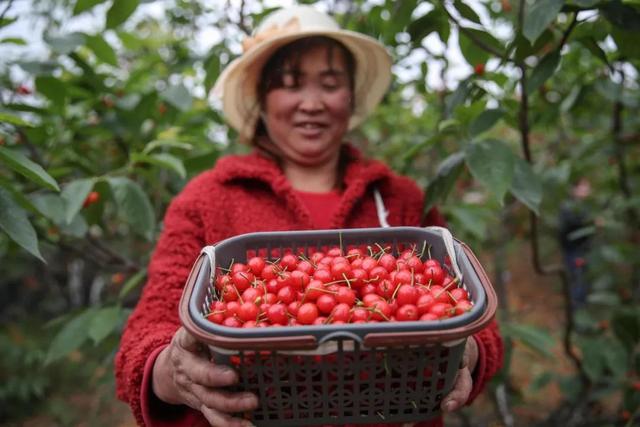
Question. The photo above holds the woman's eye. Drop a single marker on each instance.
(331, 84)
(289, 81)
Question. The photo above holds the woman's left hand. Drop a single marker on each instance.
(463, 384)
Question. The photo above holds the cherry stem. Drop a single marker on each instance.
(395, 292)
(424, 247)
(347, 280)
(445, 289)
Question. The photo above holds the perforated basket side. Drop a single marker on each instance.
(352, 385)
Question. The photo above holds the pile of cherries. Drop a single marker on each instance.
(334, 287)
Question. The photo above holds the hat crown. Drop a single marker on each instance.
(306, 17)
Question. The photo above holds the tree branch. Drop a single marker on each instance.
(6, 9)
(567, 32)
(482, 45)
(523, 123)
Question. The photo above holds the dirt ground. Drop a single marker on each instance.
(531, 300)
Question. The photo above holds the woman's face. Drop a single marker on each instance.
(309, 115)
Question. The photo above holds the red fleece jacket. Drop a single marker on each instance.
(243, 194)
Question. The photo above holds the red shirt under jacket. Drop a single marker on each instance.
(243, 194)
(320, 206)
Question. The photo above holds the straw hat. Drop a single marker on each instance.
(237, 84)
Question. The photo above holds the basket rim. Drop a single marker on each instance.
(305, 337)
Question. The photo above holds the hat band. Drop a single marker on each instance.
(291, 26)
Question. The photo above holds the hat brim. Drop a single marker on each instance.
(238, 82)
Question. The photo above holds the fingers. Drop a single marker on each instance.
(470, 356)
(198, 370)
(220, 419)
(460, 393)
(225, 401)
(185, 340)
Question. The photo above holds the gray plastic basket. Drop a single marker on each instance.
(339, 374)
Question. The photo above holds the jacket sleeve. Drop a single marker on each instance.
(155, 318)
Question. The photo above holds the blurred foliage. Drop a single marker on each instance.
(98, 134)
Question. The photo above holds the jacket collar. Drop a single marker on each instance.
(359, 175)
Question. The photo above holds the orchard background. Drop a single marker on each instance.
(529, 143)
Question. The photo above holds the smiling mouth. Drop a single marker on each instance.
(310, 125)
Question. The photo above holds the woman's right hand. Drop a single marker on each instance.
(182, 374)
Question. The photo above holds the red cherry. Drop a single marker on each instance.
(256, 265)
(425, 302)
(289, 262)
(242, 280)
(307, 313)
(407, 294)
(462, 307)
(479, 69)
(232, 322)
(326, 303)
(341, 313)
(346, 296)
(388, 261)
(287, 295)
(407, 312)
(92, 197)
(277, 314)
(248, 311)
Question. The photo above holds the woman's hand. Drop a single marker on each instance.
(182, 374)
(463, 384)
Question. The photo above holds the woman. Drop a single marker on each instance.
(299, 86)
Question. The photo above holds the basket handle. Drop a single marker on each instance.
(448, 245)
(210, 253)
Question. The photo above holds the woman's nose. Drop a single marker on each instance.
(311, 101)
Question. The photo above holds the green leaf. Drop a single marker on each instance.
(545, 69)
(458, 97)
(472, 52)
(74, 195)
(134, 205)
(445, 178)
(466, 11)
(425, 25)
(178, 96)
(169, 143)
(83, 5)
(51, 206)
(162, 159)
(616, 358)
(132, 283)
(103, 322)
(13, 40)
(536, 339)
(212, 68)
(102, 50)
(53, 89)
(472, 218)
(623, 16)
(73, 334)
(592, 358)
(491, 162)
(539, 16)
(7, 21)
(526, 185)
(14, 120)
(626, 325)
(592, 45)
(14, 221)
(485, 121)
(627, 42)
(65, 44)
(119, 12)
(27, 168)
